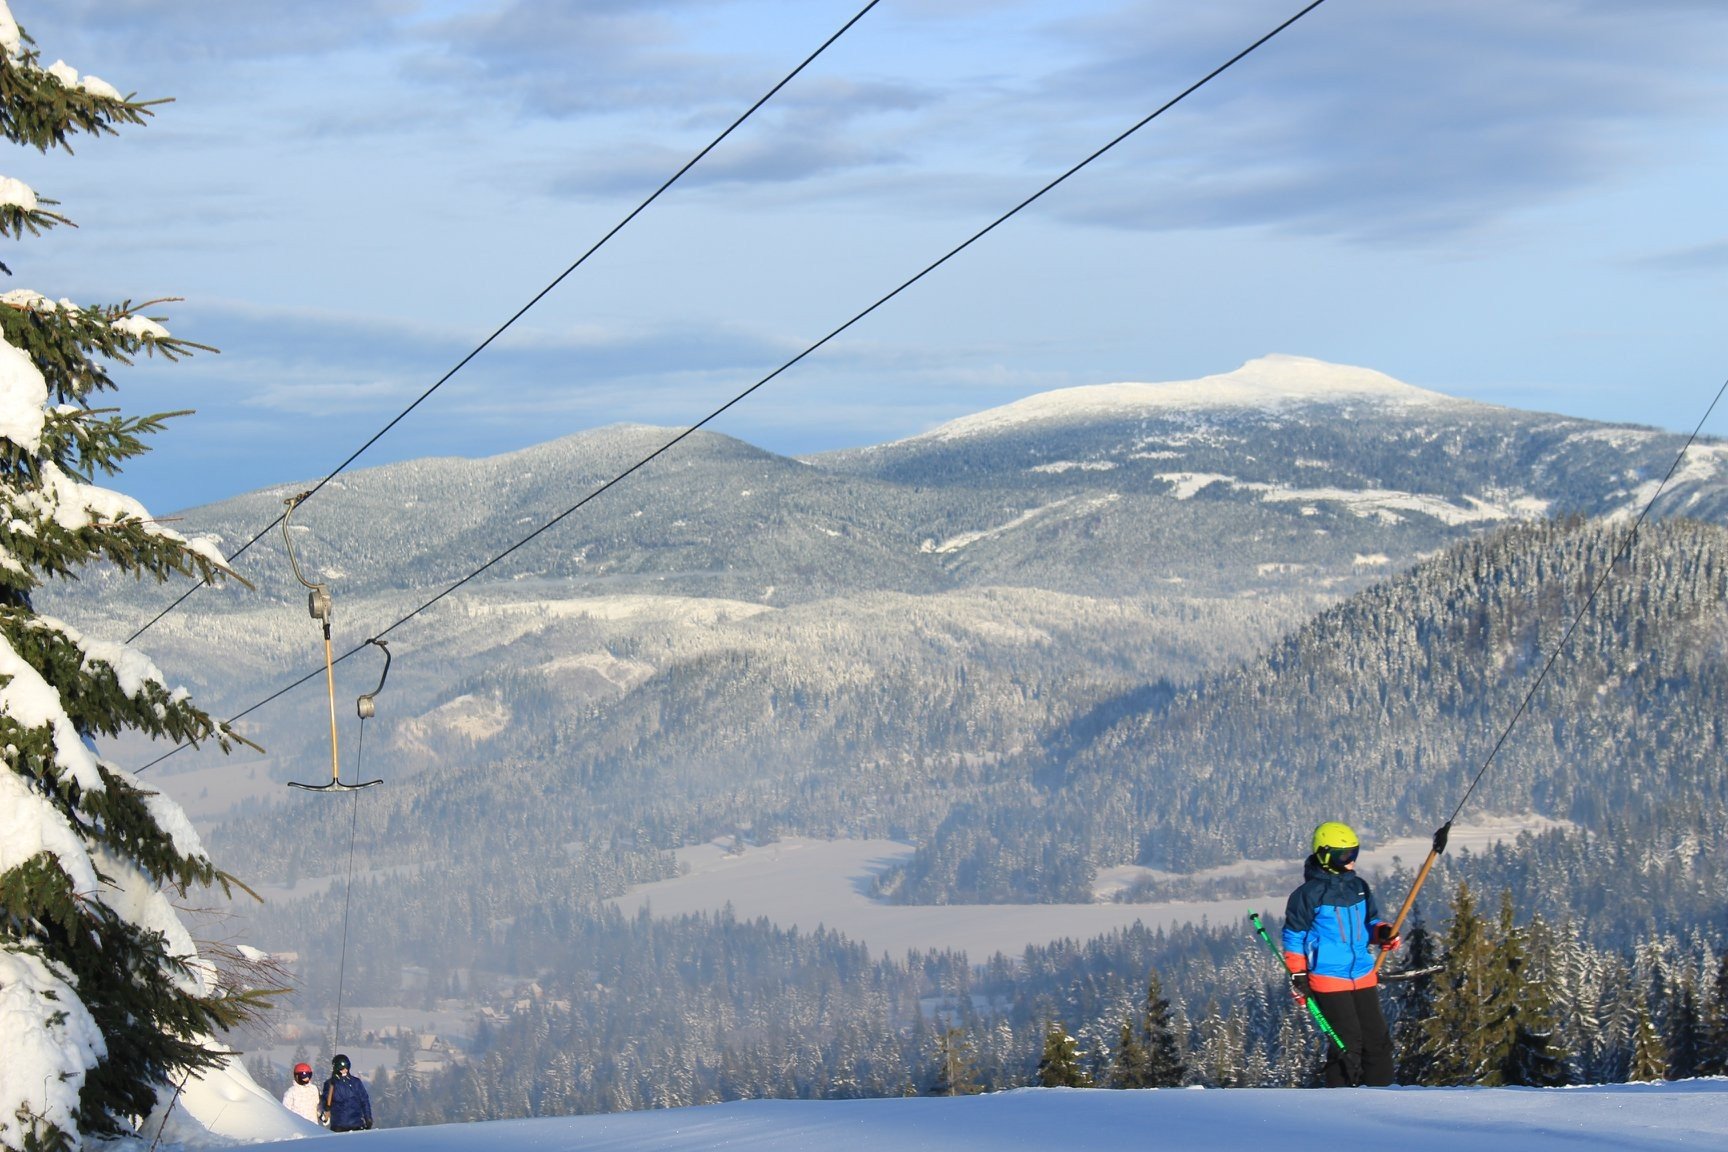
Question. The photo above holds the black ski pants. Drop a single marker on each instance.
(1367, 1056)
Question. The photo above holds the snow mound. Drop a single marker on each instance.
(1269, 383)
(222, 1108)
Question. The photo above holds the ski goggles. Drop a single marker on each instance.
(303, 1077)
(1336, 858)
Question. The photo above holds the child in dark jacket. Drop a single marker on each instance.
(343, 1100)
(1332, 928)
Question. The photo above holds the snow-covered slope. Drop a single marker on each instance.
(1644, 1118)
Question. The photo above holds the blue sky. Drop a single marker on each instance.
(1516, 203)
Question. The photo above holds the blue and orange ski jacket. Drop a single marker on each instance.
(1328, 925)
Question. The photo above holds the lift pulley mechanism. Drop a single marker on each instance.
(364, 705)
(320, 607)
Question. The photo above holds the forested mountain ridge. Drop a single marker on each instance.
(1284, 474)
(1205, 516)
(1387, 706)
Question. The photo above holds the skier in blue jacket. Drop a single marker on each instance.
(343, 1100)
(1332, 928)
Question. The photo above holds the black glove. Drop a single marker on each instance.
(1385, 937)
(367, 1125)
(1299, 986)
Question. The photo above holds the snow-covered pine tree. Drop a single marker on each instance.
(1299, 1055)
(1410, 1002)
(1681, 1037)
(1164, 1065)
(1589, 985)
(956, 1064)
(105, 995)
(1453, 1049)
(1684, 1027)
(1128, 1064)
(1535, 1058)
(1221, 1055)
(1649, 1059)
(1059, 1066)
(1713, 1057)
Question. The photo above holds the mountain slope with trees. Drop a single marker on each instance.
(1387, 706)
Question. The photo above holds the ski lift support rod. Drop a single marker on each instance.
(321, 608)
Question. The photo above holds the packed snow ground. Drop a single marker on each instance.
(1690, 1115)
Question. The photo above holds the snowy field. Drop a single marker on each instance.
(1645, 1118)
(806, 884)
(809, 884)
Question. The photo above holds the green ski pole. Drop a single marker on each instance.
(1320, 1020)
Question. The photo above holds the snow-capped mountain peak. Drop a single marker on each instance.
(1270, 383)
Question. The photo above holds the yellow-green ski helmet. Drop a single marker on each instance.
(1335, 845)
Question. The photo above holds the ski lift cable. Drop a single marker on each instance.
(683, 435)
(537, 297)
(1440, 834)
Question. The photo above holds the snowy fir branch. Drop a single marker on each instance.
(107, 998)
(43, 107)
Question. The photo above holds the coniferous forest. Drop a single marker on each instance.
(664, 1013)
